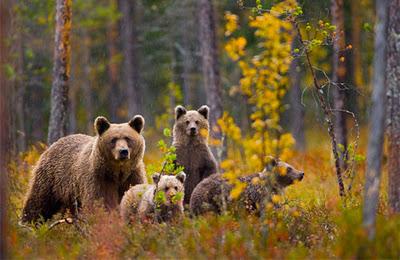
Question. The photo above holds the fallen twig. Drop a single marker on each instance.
(60, 221)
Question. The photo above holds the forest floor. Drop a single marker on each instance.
(311, 222)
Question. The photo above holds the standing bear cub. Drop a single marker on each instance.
(146, 201)
(78, 170)
(190, 137)
(213, 193)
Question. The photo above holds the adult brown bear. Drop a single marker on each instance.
(78, 170)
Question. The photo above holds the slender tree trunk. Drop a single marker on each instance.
(210, 64)
(377, 121)
(4, 122)
(73, 107)
(339, 77)
(187, 56)
(129, 45)
(89, 105)
(61, 72)
(20, 95)
(187, 73)
(175, 78)
(356, 43)
(393, 80)
(113, 71)
(35, 89)
(296, 108)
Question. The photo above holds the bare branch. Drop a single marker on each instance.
(327, 113)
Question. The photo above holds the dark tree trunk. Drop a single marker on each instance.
(113, 71)
(296, 108)
(4, 122)
(210, 64)
(61, 72)
(356, 43)
(88, 104)
(377, 121)
(393, 112)
(339, 77)
(36, 91)
(175, 78)
(73, 108)
(130, 68)
(17, 92)
(19, 99)
(187, 70)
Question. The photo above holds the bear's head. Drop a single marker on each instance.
(120, 143)
(284, 174)
(191, 124)
(172, 186)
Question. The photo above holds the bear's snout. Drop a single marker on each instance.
(124, 153)
(193, 130)
(301, 176)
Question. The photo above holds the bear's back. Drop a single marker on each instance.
(61, 155)
(208, 194)
(131, 200)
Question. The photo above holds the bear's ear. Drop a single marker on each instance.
(204, 110)
(181, 176)
(271, 162)
(156, 177)
(179, 111)
(101, 125)
(137, 123)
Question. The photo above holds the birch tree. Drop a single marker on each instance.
(61, 72)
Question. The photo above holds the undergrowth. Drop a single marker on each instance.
(311, 221)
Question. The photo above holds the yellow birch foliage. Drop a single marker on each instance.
(264, 82)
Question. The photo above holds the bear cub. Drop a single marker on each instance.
(145, 202)
(190, 137)
(210, 194)
(78, 170)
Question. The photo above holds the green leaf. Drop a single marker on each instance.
(177, 197)
(367, 27)
(160, 197)
(10, 72)
(167, 132)
(161, 144)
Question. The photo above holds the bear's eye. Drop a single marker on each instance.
(114, 140)
(128, 140)
(187, 122)
(197, 122)
(289, 170)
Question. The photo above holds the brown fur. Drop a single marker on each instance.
(190, 137)
(138, 202)
(210, 194)
(78, 170)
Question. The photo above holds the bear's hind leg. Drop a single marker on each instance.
(39, 204)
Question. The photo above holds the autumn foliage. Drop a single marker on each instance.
(309, 220)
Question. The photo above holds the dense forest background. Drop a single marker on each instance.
(314, 83)
(163, 63)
